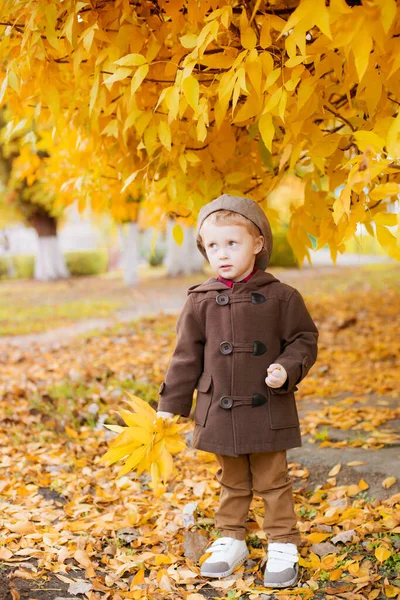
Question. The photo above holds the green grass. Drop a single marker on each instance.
(24, 318)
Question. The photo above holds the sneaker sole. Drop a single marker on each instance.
(229, 571)
(284, 584)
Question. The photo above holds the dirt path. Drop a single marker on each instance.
(154, 295)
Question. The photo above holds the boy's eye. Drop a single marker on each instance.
(232, 242)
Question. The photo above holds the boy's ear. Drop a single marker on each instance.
(261, 241)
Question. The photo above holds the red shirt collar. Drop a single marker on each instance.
(230, 282)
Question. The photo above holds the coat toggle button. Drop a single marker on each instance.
(258, 400)
(226, 402)
(222, 299)
(257, 298)
(259, 348)
(226, 347)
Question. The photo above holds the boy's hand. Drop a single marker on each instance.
(164, 415)
(277, 375)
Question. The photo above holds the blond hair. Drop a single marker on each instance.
(230, 217)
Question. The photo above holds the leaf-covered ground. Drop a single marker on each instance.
(69, 527)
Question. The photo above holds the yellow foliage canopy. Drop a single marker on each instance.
(182, 101)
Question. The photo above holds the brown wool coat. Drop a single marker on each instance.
(236, 411)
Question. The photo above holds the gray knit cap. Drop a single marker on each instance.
(249, 209)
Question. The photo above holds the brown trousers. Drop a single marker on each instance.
(265, 474)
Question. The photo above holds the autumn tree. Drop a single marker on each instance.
(25, 198)
(182, 101)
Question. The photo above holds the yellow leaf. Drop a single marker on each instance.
(362, 47)
(172, 103)
(140, 406)
(335, 470)
(191, 92)
(353, 490)
(383, 191)
(129, 180)
(273, 100)
(189, 40)
(204, 557)
(71, 432)
(388, 242)
(393, 138)
(335, 574)
(282, 105)
(382, 553)
(391, 591)
(388, 13)
(304, 563)
(94, 91)
(236, 177)
(121, 447)
(3, 87)
(51, 13)
(116, 428)
(165, 465)
(354, 568)
(250, 108)
(135, 420)
(267, 130)
(162, 559)
(119, 75)
(155, 476)
(177, 234)
(369, 138)
(175, 444)
(388, 482)
(133, 461)
(363, 485)
(164, 133)
(131, 60)
(255, 9)
(355, 463)
(138, 579)
(316, 538)
(328, 562)
(389, 219)
(138, 77)
(248, 38)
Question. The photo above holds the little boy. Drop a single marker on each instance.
(244, 340)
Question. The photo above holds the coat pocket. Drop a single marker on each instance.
(283, 411)
(204, 397)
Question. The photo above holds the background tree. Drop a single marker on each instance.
(25, 199)
(194, 99)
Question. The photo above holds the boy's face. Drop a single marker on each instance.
(231, 249)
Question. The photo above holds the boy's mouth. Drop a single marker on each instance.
(225, 266)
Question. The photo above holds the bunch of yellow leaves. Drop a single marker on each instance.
(147, 444)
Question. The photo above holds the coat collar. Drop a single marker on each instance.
(259, 279)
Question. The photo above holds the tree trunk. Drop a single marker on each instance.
(129, 237)
(49, 261)
(185, 259)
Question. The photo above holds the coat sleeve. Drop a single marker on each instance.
(299, 343)
(186, 365)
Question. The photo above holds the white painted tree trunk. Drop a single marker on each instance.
(129, 238)
(185, 259)
(49, 261)
(10, 265)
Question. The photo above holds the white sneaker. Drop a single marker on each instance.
(227, 554)
(282, 569)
